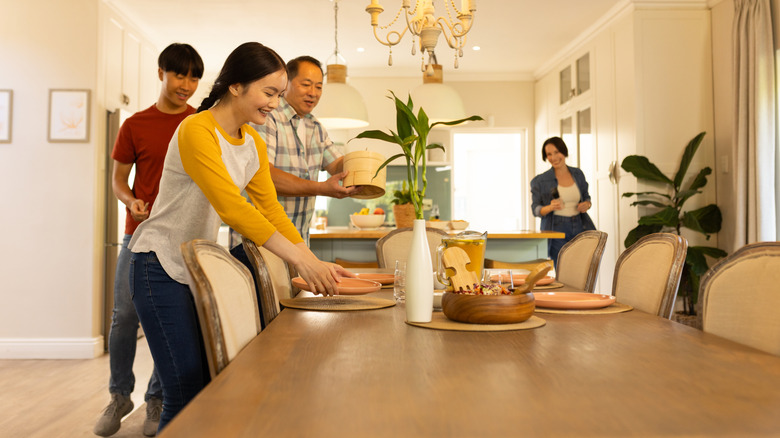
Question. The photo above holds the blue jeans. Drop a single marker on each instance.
(571, 226)
(123, 337)
(167, 312)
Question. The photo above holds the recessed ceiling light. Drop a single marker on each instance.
(361, 50)
(476, 48)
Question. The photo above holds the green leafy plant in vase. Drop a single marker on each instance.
(411, 135)
(671, 217)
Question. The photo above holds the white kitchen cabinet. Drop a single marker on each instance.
(130, 65)
(648, 91)
(574, 78)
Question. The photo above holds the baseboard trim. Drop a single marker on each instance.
(51, 348)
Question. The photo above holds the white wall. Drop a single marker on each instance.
(48, 190)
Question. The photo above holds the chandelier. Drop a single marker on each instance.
(422, 23)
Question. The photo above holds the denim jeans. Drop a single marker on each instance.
(167, 312)
(123, 337)
(571, 226)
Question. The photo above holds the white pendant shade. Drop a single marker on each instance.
(440, 102)
(341, 107)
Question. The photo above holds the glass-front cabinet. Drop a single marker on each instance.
(574, 112)
(575, 79)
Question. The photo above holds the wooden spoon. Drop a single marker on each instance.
(456, 259)
(539, 272)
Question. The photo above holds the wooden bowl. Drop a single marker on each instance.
(488, 309)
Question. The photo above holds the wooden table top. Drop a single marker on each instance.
(368, 374)
(347, 233)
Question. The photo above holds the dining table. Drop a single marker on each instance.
(371, 374)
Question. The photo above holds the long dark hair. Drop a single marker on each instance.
(246, 64)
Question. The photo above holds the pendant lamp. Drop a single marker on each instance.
(440, 102)
(341, 105)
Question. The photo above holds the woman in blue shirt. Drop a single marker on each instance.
(560, 197)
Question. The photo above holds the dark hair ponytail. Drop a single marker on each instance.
(246, 64)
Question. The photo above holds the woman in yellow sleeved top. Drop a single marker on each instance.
(212, 157)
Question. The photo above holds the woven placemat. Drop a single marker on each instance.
(337, 303)
(441, 322)
(612, 308)
(553, 285)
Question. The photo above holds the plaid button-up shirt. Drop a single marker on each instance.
(302, 157)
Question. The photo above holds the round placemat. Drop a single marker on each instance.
(337, 303)
(553, 285)
(612, 308)
(441, 322)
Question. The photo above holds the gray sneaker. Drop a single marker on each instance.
(109, 422)
(153, 411)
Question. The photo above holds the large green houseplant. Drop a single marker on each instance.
(412, 136)
(671, 217)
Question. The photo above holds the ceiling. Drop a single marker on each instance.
(517, 37)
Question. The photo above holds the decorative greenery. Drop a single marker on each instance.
(403, 196)
(705, 220)
(412, 137)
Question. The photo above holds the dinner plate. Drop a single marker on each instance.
(519, 279)
(378, 277)
(348, 286)
(572, 300)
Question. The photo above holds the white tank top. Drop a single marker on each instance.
(570, 197)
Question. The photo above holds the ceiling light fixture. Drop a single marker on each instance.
(441, 102)
(341, 105)
(422, 22)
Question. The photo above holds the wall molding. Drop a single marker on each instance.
(51, 348)
(614, 14)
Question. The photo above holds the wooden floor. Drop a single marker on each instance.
(64, 398)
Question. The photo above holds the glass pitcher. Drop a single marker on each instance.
(473, 242)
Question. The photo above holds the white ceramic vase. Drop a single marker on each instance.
(419, 276)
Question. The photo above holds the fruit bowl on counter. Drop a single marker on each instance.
(365, 220)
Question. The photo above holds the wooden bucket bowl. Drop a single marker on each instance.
(488, 309)
(362, 166)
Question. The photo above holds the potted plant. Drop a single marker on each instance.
(412, 136)
(403, 209)
(670, 216)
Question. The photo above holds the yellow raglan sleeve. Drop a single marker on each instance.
(262, 192)
(201, 158)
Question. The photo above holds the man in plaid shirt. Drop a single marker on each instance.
(299, 146)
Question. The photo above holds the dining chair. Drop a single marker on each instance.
(273, 278)
(648, 273)
(741, 298)
(395, 245)
(580, 258)
(225, 301)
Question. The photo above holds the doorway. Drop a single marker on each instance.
(491, 179)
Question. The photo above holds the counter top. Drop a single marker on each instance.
(347, 233)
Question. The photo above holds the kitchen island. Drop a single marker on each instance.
(360, 245)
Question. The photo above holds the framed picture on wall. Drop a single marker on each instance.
(68, 116)
(6, 115)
